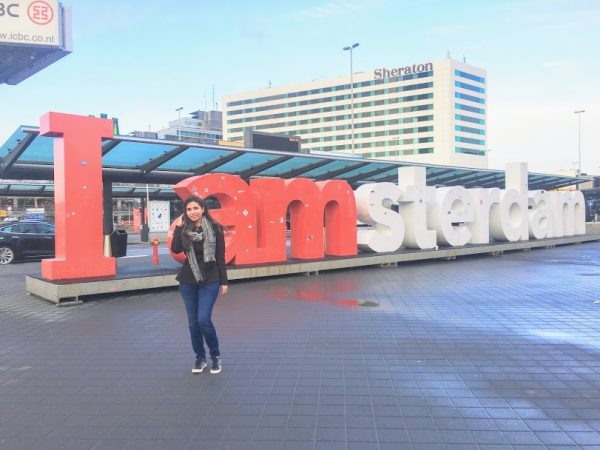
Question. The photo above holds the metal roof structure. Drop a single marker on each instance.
(14, 188)
(126, 159)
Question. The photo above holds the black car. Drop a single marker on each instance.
(26, 239)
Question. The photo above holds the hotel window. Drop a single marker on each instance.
(469, 108)
(469, 140)
(469, 151)
(469, 76)
(469, 119)
(469, 97)
(469, 129)
(470, 87)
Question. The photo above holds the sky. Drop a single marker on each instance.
(140, 60)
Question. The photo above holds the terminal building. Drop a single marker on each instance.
(204, 127)
(431, 112)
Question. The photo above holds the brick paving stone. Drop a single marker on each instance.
(585, 437)
(554, 438)
(305, 445)
(170, 444)
(478, 353)
(531, 447)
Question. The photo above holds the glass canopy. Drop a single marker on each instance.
(127, 159)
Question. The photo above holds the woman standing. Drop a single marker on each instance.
(201, 276)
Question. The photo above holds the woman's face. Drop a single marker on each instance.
(194, 211)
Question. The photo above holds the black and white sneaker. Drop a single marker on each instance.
(216, 365)
(199, 366)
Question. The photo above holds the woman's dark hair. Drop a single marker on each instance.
(188, 225)
(195, 198)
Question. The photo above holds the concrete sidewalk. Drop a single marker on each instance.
(478, 353)
(134, 238)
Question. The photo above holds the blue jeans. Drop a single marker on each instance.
(199, 302)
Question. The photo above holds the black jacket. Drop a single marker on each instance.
(214, 271)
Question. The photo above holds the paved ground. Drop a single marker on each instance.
(478, 353)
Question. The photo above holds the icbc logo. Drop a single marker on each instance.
(10, 10)
(40, 12)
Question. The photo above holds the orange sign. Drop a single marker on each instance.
(322, 216)
(77, 197)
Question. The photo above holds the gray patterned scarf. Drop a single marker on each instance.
(207, 234)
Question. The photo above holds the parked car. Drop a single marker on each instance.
(26, 239)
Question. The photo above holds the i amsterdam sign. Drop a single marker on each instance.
(400, 71)
(324, 214)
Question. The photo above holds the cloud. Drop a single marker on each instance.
(331, 9)
(447, 30)
(561, 16)
(544, 134)
(255, 28)
(557, 64)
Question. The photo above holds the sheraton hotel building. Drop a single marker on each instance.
(432, 112)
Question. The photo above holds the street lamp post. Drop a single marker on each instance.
(179, 122)
(351, 47)
(579, 113)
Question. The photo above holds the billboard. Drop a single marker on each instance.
(35, 213)
(31, 23)
(272, 141)
(33, 35)
(159, 217)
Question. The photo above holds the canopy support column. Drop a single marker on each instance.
(144, 232)
(107, 208)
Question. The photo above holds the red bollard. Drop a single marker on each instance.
(155, 243)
